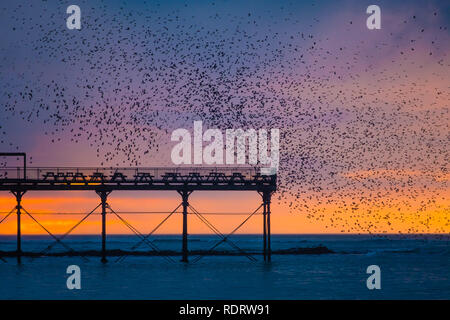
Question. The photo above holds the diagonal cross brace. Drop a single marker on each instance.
(9, 213)
(51, 234)
(226, 237)
(216, 231)
(140, 235)
(50, 246)
(148, 235)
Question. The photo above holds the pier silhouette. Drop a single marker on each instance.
(20, 180)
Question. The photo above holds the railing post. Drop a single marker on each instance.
(25, 166)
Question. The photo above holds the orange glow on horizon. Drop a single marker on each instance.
(327, 218)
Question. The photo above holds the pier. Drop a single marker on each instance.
(103, 181)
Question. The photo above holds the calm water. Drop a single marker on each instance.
(411, 268)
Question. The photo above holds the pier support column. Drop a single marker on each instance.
(19, 195)
(185, 197)
(264, 229)
(103, 197)
(267, 252)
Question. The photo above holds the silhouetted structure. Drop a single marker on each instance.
(19, 180)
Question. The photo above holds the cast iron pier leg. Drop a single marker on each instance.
(18, 195)
(104, 197)
(269, 250)
(185, 197)
(264, 229)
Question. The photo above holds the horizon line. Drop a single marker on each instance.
(238, 234)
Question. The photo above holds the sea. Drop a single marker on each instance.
(301, 267)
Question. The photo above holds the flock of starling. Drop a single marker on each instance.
(363, 116)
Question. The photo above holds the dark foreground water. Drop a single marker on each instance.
(411, 268)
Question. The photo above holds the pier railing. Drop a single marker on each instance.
(44, 173)
(136, 177)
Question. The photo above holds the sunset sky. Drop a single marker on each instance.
(364, 114)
